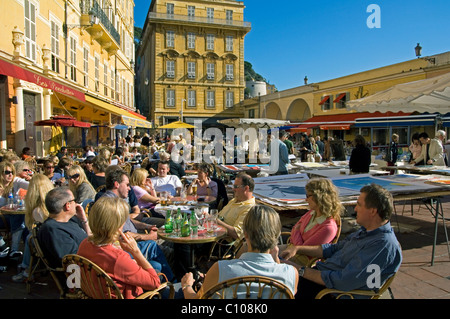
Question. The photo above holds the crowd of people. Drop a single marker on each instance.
(119, 236)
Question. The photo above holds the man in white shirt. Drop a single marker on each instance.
(164, 182)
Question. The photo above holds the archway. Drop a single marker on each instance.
(298, 111)
(272, 111)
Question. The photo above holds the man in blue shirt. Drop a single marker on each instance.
(282, 156)
(364, 259)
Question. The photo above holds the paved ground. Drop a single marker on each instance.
(417, 279)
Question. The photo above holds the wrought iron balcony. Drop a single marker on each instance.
(100, 24)
(183, 19)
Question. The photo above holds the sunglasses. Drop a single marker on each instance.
(27, 170)
(72, 200)
(8, 172)
(238, 186)
(49, 167)
(74, 176)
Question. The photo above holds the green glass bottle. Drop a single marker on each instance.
(168, 226)
(185, 229)
(194, 224)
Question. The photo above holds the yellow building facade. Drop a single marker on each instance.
(190, 63)
(65, 57)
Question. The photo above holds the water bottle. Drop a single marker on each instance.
(185, 228)
(168, 227)
(194, 224)
(10, 200)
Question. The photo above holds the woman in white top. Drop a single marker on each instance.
(262, 227)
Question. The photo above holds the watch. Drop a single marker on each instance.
(301, 271)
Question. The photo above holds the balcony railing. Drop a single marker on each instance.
(96, 10)
(202, 20)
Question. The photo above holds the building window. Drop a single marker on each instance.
(210, 99)
(170, 98)
(340, 100)
(112, 83)
(30, 30)
(191, 12)
(192, 98)
(229, 72)
(73, 59)
(229, 43)
(229, 15)
(251, 113)
(86, 66)
(210, 71)
(210, 13)
(105, 79)
(170, 8)
(170, 39)
(170, 71)
(191, 40)
(55, 46)
(191, 70)
(326, 102)
(210, 42)
(229, 102)
(97, 74)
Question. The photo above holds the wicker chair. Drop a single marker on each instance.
(93, 277)
(38, 259)
(373, 294)
(249, 287)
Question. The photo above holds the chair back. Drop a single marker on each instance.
(338, 233)
(222, 196)
(95, 282)
(249, 287)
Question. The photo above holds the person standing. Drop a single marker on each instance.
(392, 152)
(360, 158)
(432, 151)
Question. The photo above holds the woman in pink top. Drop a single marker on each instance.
(106, 219)
(318, 226)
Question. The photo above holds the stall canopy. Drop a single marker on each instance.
(429, 95)
(257, 123)
(62, 121)
(177, 124)
(135, 122)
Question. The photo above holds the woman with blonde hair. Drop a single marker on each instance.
(106, 220)
(79, 184)
(318, 226)
(35, 212)
(143, 188)
(7, 173)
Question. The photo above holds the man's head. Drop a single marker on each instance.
(60, 200)
(441, 135)
(118, 182)
(374, 206)
(163, 169)
(424, 138)
(243, 187)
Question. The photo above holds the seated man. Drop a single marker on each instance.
(350, 263)
(164, 182)
(65, 227)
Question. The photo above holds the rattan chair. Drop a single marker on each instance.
(224, 249)
(38, 260)
(372, 294)
(97, 284)
(249, 287)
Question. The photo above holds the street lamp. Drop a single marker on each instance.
(181, 111)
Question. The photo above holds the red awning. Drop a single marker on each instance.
(341, 127)
(15, 71)
(326, 98)
(339, 98)
(62, 120)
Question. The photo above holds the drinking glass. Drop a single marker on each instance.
(163, 198)
(211, 225)
(200, 216)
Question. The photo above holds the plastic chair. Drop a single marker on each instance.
(97, 284)
(249, 287)
(373, 294)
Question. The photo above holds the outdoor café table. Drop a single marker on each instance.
(202, 238)
(12, 211)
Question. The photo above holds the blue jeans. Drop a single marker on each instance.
(156, 258)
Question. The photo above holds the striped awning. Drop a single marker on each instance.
(135, 122)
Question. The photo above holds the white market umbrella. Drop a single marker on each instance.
(429, 95)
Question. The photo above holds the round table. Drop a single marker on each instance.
(202, 238)
(12, 211)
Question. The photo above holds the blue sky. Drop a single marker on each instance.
(326, 39)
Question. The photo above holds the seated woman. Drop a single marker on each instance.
(318, 225)
(106, 220)
(205, 186)
(35, 212)
(262, 227)
(79, 184)
(143, 188)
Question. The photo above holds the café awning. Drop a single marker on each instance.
(62, 121)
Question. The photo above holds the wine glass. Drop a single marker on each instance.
(200, 216)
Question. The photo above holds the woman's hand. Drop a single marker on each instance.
(128, 243)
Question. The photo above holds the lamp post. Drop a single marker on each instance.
(181, 111)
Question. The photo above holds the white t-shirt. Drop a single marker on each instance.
(170, 183)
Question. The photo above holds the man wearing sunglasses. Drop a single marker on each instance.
(65, 227)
